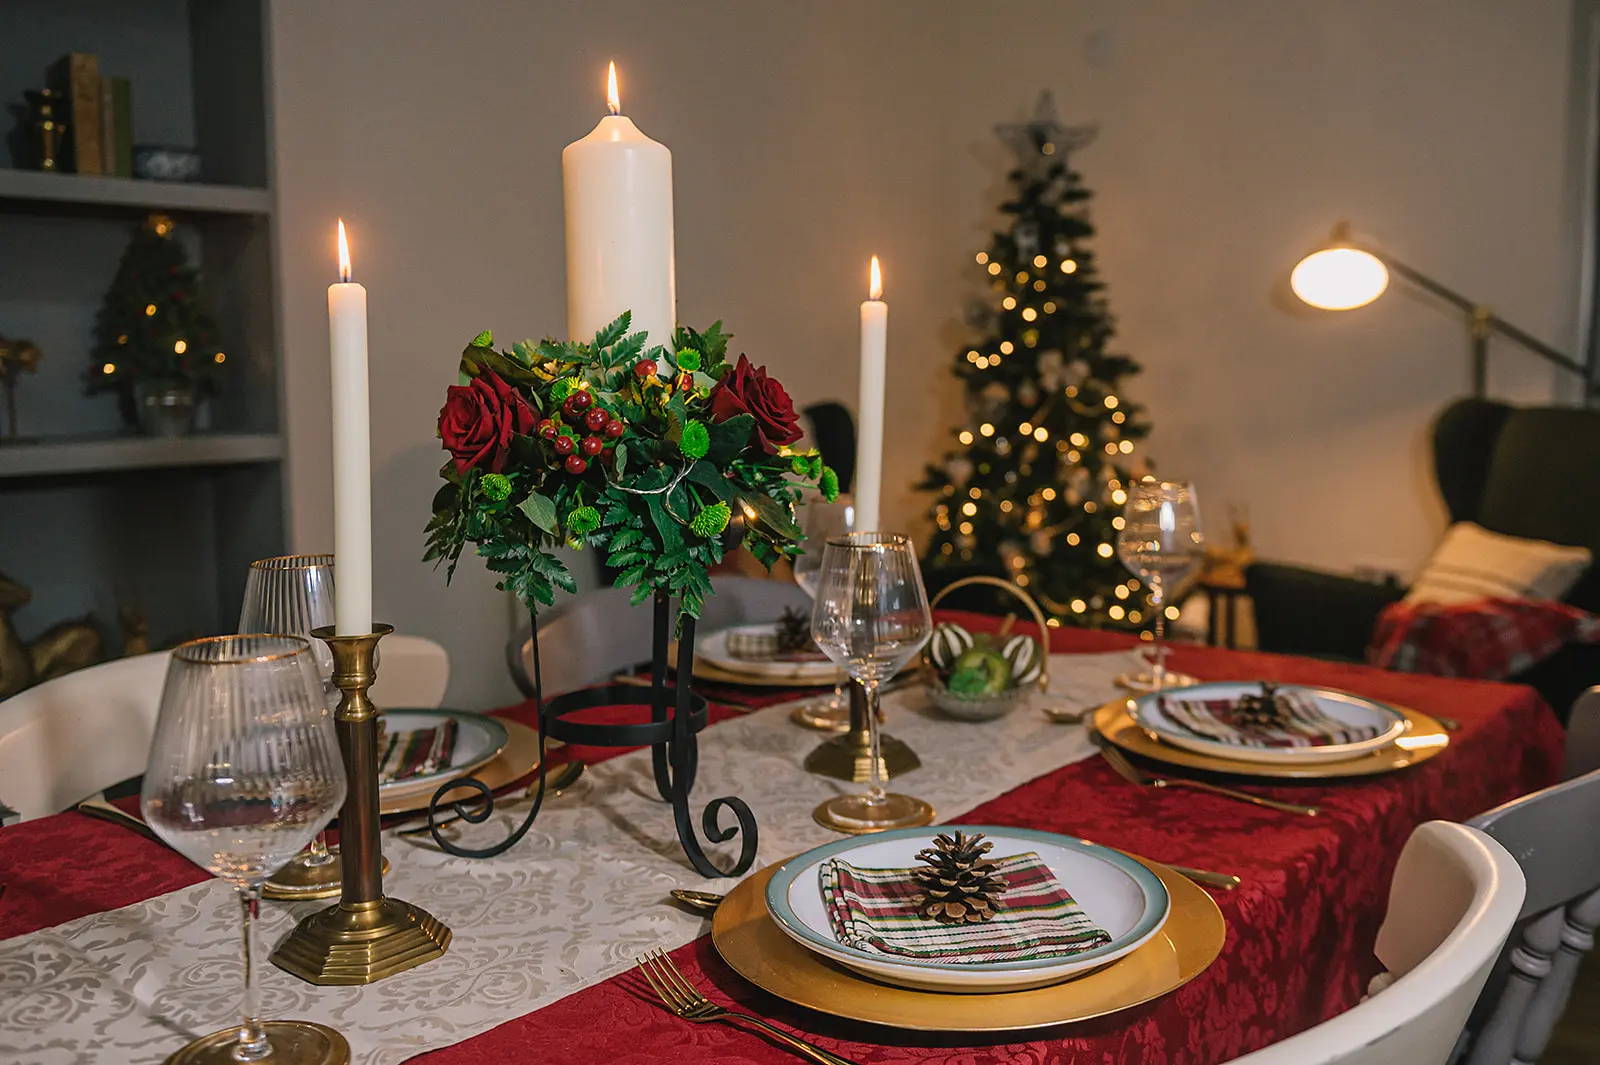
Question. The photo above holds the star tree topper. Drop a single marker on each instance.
(1043, 136)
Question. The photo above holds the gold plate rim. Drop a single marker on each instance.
(753, 945)
(518, 758)
(1114, 721)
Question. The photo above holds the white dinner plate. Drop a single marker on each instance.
(713, 648)
(478, 740)
(1116, 892)
(1344, 707)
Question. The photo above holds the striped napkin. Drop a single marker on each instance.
(762, 646)
(1304, 723)
(417, 752)
(876, 910)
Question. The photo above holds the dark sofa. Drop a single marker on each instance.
(1532, 472)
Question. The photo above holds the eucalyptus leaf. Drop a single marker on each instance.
(619, 456)
(541, 510)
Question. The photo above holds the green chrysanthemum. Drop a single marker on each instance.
(800, 465)
(497, 486)
(688, 359)
(583, 521)
(562, 388)
(711, 520)
(484, 339)
(695, 441)
(829, 484)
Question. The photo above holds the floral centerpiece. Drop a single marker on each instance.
(663, 459)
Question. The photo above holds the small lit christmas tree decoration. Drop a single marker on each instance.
(153, 327)
(1035, 493)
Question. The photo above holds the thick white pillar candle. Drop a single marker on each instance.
(868, 486)
(618, 187)
(352, 452)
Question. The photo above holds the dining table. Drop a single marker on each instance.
(1300, 926)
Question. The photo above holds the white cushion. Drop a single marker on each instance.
(1474, 563)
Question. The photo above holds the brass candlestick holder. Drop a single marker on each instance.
(848, 756)
(366, 937)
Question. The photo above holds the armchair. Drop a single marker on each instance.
(1529, 472)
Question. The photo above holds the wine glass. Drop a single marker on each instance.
(1161, 544)
(820, 521)
(244, 770)
(293, 594)
(871, 617)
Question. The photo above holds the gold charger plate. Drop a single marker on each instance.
(758, 950)
(718, 675)
(1424, 738)
(518, 758)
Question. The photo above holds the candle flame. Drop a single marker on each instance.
(875, 291)
(344, 255)
(613, 101)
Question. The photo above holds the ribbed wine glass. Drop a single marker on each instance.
(871, 617)
(821, 521)
(244, 770)
(293, 594)
(1161, 544)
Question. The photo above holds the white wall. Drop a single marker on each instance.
(808, 136)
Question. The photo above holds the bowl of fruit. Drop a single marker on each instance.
(980, 676)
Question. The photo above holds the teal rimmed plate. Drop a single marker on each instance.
(1117, 893)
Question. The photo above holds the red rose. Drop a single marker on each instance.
(747, 389)
(478, 421)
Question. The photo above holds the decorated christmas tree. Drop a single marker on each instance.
(153, 328)
(1035, 491)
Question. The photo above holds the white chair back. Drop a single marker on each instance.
(1552, 833)
(413, 672)
(69, 738)
(588, 639)
(1456, 893)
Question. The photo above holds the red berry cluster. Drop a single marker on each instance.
(579, 411)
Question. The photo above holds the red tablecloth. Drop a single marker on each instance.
(1300, 929)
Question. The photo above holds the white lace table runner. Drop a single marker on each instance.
(573, 904)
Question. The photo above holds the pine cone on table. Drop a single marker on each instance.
(794, 632)
(959, 884)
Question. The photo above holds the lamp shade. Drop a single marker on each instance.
(1339, 279)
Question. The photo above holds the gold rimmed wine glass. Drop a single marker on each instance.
(244, 770)
(871, 617)
(1161, 544)
(821, 521)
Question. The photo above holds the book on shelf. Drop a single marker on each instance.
(77, 74)
(116, 127)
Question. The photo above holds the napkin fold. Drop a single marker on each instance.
(762, 646)
(1304, 723)
(417, 752)
(876, 910)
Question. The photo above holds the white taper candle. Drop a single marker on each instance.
(868, 485)
(352, 451)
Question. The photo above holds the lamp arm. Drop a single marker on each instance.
(1482, 316)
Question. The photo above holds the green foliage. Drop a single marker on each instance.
(658, 501)
(153, 325)
(1044, 483)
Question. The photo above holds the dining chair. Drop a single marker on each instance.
(1455, 895)
(1583, 736)
(1552, 834)
(589, 638)
(72, 737)
(413, 672)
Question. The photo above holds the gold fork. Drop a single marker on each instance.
(1131, 773)
(679, 996)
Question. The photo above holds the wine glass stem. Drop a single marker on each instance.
(1158, 672)
(317, 853)
(253, 1044)
(875, 792)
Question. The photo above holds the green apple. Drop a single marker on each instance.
(982, 671)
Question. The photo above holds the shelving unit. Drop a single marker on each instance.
(91, 516)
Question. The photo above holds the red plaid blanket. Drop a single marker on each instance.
(1491, 639)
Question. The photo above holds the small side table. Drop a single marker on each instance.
(1223, 593)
